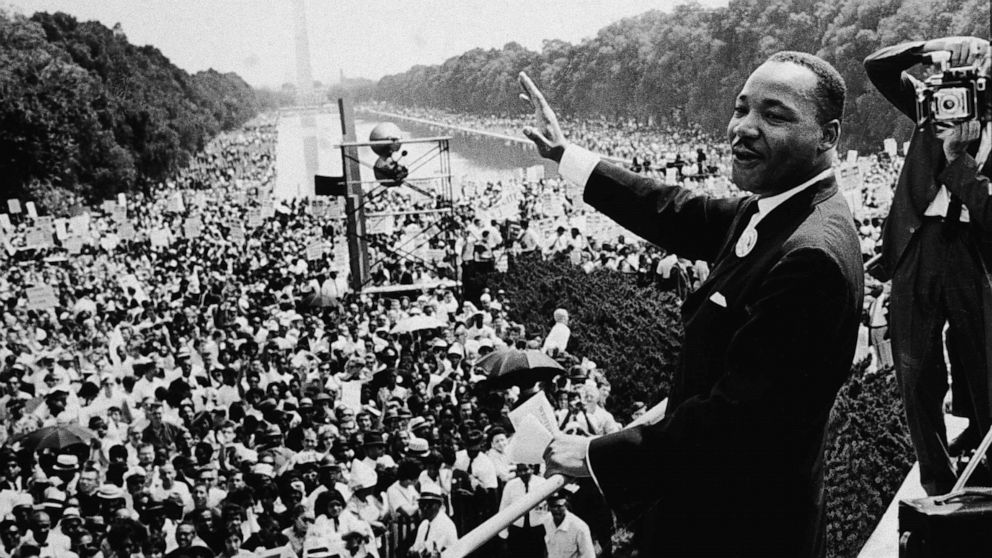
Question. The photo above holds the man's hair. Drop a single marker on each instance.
(830, 87)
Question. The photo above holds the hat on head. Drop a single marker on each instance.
(431, 494)
(66, 461)
(417, 423)
(418, 447)
(110, 492)
(183, 353)
(264, 469)
(71, 513)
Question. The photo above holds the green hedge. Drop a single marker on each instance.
(633, 331)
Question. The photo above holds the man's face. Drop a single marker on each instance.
(200, 495)
(184, 535)
(42, 524)
(558, 508)
(208, 478)
(774, 133)
(87, 482)
(146, 456)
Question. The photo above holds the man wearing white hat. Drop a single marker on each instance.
(436, 532)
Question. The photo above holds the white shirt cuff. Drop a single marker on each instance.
(577, 164)
(589, 467)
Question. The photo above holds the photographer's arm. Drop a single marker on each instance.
(963, 177)
(886, 67)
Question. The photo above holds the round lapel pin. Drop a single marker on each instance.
(746, 242)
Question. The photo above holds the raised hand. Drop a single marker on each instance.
(957, 138)
(546, 133)
(964, 51)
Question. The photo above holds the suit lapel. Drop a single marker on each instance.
(784, 218)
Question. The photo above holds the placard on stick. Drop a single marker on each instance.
(41, 297)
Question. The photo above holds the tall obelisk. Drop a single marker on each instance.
(305, 99)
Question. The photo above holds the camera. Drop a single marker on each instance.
(953, 95)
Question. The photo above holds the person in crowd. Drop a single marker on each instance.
(565, 535)
(935, 249)
(525, 537)
(787, 273)
(436, 532)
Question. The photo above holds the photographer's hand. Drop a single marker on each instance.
(957, 138)
(547, 135)
(965, 51)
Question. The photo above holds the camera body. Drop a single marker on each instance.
(954, 95)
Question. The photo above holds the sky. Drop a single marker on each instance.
(364, 38)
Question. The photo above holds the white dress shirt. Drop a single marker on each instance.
(513, 492)
(571, 539)
(437, 534)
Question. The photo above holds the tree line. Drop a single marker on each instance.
(82, 110)
(684, 68)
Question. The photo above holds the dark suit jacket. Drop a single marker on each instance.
(736, 466)
(925, 168)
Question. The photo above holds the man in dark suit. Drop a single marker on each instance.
(936, 245)
(736, 466)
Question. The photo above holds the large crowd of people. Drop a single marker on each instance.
(190, 373)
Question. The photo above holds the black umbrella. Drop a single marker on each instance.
(56, 437)
(515, 367)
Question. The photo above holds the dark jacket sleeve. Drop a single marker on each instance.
(886, 70)
(690, 224)
(963, 178)
(769, 398)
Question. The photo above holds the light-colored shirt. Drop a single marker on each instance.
(482, 469)
(513, 492)
(571, 539)
(437, 534)
(557, 338)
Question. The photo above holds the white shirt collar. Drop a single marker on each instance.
(766, 204)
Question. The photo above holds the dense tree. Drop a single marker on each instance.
(683, 67)
(83, 109)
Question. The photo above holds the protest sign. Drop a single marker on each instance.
(671, 175)
(852, 156)
(535, 173)
(61, 229)
(890, 147)
(5, 222)
(255, 219)
(46, 222)
(37, 237)
(315, 250)
(14, 206)
(32, 210)
(159, 237)
(41, 297)
(73, 245)
(237, 234)
(125, 230)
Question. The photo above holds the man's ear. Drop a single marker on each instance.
(829, 135)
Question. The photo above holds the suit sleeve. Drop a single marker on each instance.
(690, 224)
(886, 68)
(767, 396)
(964, 179)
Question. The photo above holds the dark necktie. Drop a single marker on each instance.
(526, 515)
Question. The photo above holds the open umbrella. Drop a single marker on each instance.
(56, 437)
(318, 300)
(418, 322)
(515, 367)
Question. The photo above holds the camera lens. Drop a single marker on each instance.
(949, 103)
